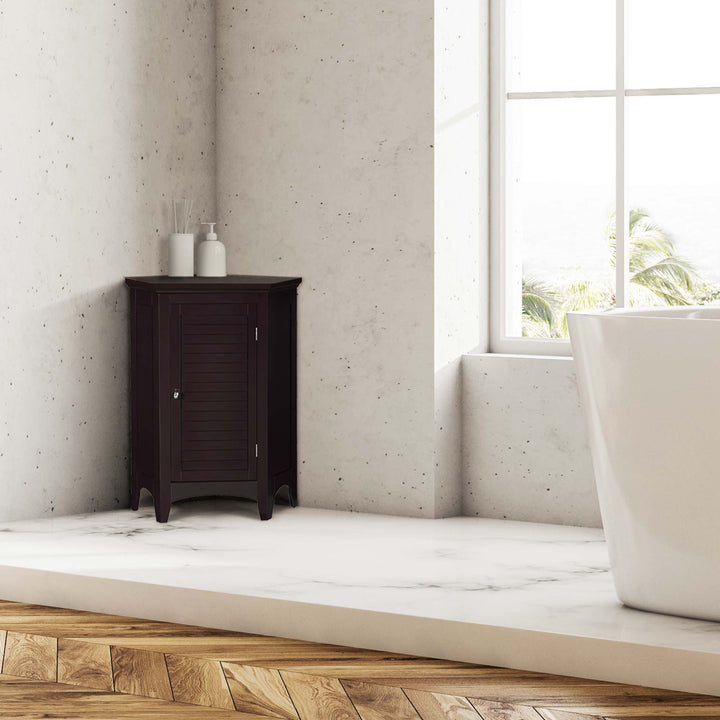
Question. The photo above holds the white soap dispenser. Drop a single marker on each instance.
(211, 255)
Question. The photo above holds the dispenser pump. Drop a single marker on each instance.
(211, 234)
(211, 255)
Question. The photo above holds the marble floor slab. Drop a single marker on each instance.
(524, 595)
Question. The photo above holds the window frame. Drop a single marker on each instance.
(500, 297)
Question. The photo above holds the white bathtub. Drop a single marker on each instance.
(650, 385)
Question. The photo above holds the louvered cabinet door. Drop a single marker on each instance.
(213, 398)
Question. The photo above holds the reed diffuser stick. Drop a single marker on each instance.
(182, 209)
(189, 213)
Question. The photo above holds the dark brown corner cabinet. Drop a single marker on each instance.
(213, 384)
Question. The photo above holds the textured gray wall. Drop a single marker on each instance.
(325, 170)
(461, 224)
(525, 443)
(109, 109)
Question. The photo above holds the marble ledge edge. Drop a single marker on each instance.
(533, 650)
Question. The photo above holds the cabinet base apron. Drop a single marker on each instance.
(242, 490)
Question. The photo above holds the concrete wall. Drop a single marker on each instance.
(461, 224)
(353, 152)
(525, 448)
(108, 111)
(325, 170)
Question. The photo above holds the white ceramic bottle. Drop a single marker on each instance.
(211, 255)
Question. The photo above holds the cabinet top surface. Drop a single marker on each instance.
(163, 283)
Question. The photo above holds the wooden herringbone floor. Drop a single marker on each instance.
(68, 664)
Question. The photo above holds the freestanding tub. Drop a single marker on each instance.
(650, 385)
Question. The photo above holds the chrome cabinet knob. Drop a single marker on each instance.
(176, 394)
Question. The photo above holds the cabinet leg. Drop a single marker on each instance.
(162, 513)
(135, 497)
(265, 506)
(162, 508)
(292, 496)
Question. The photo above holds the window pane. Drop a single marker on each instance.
(560, 45)
(674, 179)
(673, 43)
(560, 196)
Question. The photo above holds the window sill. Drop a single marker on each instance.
(518, 356)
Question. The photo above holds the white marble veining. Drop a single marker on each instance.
(518, 594)
(460, 568)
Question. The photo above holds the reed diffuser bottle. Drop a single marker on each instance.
(181, 248)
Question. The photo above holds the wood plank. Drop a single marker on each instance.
(3, 635)
(313, 670)
(318, 698)
(84, 663)
(30, 656)
(650, 715)
(377, 669)
(436, 706)
(140, 672)
(22, 699)
(535, 689)
(558, 714)
(659, 710)
(60, 622)
(490, 710)
(379, 702)
(263, 651)
(198, 681)
(259, 690)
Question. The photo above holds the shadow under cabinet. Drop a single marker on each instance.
(213, 384)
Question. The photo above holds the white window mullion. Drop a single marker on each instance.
(622, 220)
(650, 92)
(500, 296)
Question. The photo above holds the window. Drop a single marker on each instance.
(601, 110)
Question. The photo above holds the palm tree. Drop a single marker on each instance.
(658, 275)
(583, 295)
(538, 308)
